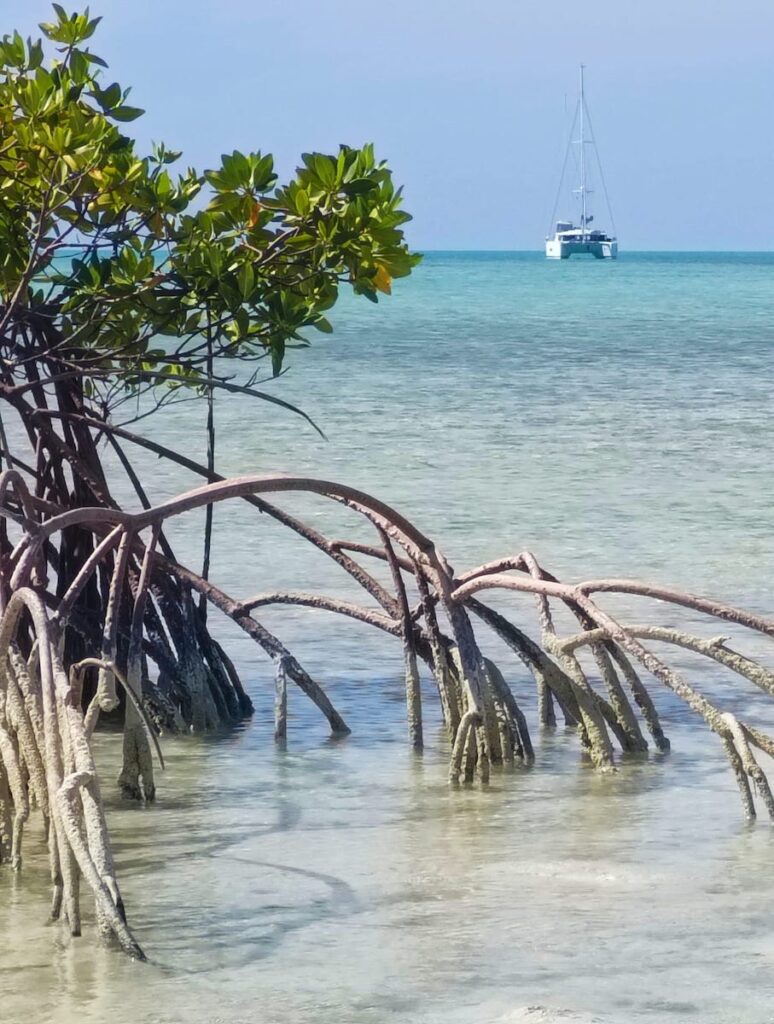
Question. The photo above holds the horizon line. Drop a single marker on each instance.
(424, 249)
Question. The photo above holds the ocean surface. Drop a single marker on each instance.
(616, 419)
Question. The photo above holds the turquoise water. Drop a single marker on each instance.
(615, 418)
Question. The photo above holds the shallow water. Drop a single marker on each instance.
(614, 418)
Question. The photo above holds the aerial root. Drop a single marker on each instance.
(146, 616)
(446, 679)
(461, 748)
(630, 734)
(413, 692)
(281, 702)
(735, 737)
(641, 697)
(546, 712)
(46, 762)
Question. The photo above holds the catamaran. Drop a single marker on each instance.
(568, 238)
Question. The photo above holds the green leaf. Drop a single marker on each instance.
(17, 49)
(242, 318)
(359, 187)
(35, 55)
(90, 27)
(325, 168)
(92, 58)
(108, 98)
(246, 278)
(277, 355)
(79, 66)
(302, 202)
(125, 113)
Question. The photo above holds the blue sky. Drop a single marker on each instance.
(469, 102)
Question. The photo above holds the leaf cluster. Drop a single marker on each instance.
(130, 270)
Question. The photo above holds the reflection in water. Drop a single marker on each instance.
(349, 883)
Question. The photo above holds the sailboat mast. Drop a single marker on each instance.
(582, 156)
(569, 237)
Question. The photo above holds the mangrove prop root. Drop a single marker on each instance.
(52, 733)
(122, 630)
(413, 693)
(281, 702)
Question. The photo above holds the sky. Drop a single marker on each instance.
(470, 102)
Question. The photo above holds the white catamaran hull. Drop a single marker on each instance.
(558, 249)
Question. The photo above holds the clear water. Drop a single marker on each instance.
(615, 418)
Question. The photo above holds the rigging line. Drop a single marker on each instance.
(601, 173)
(564, 167)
